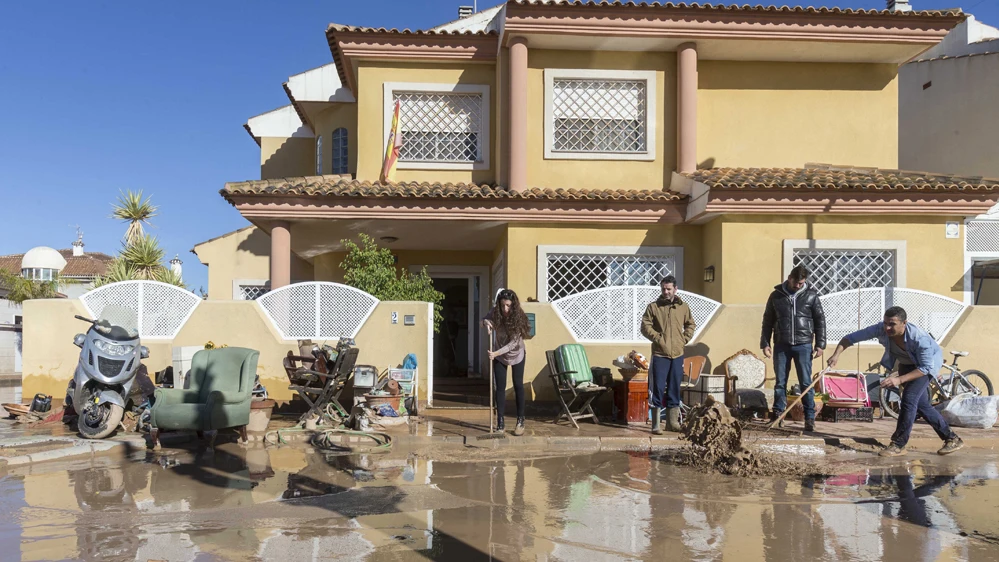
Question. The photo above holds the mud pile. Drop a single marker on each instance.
(715, 438)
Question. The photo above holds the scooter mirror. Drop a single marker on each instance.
(143, 352)
(79, 339)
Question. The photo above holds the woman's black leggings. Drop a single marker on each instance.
(499, 379)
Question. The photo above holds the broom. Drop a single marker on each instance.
(492, 403)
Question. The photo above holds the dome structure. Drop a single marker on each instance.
(42, 263)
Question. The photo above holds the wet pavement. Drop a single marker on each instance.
(455, 503)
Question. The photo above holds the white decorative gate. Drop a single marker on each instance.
(161, 309)
(614, 314)
(317, 310)
(934, 313)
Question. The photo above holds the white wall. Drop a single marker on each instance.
(950, 126)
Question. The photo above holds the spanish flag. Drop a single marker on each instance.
(393, 147)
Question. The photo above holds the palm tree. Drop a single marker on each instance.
(131, 207)
(20, 289)
(142, 259)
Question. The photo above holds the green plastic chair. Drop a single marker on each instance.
(221, 385)
(569, 367)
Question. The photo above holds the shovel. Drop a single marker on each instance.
(800, 397)
(492, 402)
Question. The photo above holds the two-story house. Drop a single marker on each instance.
(556, 146)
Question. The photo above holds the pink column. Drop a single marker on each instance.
(280, 254)
(686, 108)
(518, 114)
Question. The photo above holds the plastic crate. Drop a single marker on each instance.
(402, 375)
(835, 414)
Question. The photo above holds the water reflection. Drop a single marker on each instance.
(245, 504)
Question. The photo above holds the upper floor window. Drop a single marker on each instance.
(843, 265)
(339, 151)
(443, 126)
(567, 270)
(600, 114)
(319, 155)
(39, 273)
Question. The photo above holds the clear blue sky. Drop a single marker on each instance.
(103, 96)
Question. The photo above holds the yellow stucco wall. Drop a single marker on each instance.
(50, 357)
(284, 157)
(523, 241)
(598, 174)
(340, 115)
(371, 77)
(242, 254)
(752, 250)
(781, 114)
(712, 252)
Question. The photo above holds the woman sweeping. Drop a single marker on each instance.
(509, 323)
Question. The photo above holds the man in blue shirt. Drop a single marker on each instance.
(918, 357)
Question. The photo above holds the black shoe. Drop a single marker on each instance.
(774, 416)
(809, 425)
(519, 429)
(499, 424)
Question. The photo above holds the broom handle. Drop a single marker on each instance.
(492, 403)
(801, 396)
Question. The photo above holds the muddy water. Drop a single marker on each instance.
(285, 504)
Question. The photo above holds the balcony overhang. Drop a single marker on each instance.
(283, 122)
(316, 90)
(730, 33)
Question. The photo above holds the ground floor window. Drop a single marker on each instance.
(568, 270)
(841, 265)
(249, 289)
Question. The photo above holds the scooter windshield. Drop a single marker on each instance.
(118, 322)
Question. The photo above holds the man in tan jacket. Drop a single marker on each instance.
(667, 323)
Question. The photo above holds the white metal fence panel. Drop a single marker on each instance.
(934, 313)
(317, 310)
(161, 309)
(614, 314)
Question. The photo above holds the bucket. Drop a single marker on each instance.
(260, 415)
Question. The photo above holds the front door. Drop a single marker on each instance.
(457, 380)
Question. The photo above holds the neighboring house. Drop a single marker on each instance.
(948, 116)
(77, 267)
(554, 147)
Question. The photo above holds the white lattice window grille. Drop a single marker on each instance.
(982, 236)
(161, 309)
(251, 292)
(319, 155)
(339, 151)
(569, 270)
(614, 314)
(443, 126)
(848, 311)
(600, 114)
(839, 270)
(318, 310)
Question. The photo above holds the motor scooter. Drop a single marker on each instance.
(110, 357)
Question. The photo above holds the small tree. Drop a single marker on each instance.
(141, 258)
(20, 289)
(134, 210)
(372, 270)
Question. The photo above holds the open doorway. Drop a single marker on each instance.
(459, 354)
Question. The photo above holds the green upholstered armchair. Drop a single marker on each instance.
(221, 382)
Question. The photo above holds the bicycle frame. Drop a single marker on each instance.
(947, 387)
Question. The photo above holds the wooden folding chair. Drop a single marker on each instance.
(692, 367)
(566, 375)
(321, 386)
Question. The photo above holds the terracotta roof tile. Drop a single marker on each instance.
(338, 28)
(736, 8)
(345, 186)
(838, 178)
(90, 264)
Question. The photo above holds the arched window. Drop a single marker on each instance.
(319, 155)
(340, 151)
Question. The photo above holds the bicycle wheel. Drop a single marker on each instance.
(891, 402)
(980, 384)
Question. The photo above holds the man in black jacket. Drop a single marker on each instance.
(795, 318)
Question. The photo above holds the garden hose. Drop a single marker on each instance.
(323, 439)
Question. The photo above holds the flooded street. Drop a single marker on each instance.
(288, 504)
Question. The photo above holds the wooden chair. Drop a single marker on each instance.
(692, 367)
(320, 384)
(568, 367)
(745, 375)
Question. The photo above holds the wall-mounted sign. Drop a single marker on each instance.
(395, 317)
(532, 322)
(953, 230)
(409, 320)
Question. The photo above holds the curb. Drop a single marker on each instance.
(75, 448)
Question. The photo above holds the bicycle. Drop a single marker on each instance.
(947, 384)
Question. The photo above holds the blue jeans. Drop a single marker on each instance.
(801, 354)
(915, 400)
(665, 379)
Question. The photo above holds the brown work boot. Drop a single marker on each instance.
(673, 422)
(892, 450)
(951, 445)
